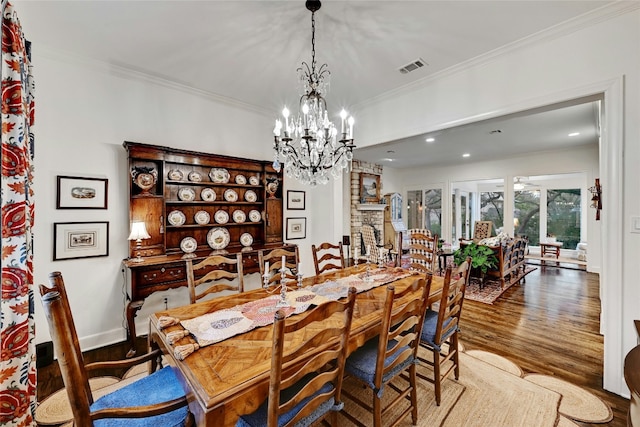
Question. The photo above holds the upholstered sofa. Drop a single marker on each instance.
(510, 253)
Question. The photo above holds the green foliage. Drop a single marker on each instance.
(482, 257)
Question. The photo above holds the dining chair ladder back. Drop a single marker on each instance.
(327, 257)
(307, 366)
(423, 250)
(219, 272)
(440, 330)
(391, 356)
(157, 399)
(274, 257)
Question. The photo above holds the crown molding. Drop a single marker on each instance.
(586, 20)
(140, 76)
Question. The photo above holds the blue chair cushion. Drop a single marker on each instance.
(428, 335)
(362, 364)
(258, 418)
(161, 386)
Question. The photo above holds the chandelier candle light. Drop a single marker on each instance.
(308, 145)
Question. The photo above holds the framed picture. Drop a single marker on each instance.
(296, 228)
(369, 188)
(75, 192)
(73, 240)
(295, 200)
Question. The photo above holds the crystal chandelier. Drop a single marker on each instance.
(309, 145)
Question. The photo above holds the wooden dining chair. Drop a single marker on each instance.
(391, 355)
(214, 274)
(155, 400)
(441, 327)
(274, 258)
(423, 250)
(307, 366)
(327, 257)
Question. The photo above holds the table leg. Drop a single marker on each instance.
(132, 309)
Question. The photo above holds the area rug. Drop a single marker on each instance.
(491, 392)
(491, 290)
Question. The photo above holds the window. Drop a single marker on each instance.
(526, 215)
(433, 211)
(563, 216)
(492, 208)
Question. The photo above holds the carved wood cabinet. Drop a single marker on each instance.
(194, 204)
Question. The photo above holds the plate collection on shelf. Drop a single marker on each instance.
(218, 237)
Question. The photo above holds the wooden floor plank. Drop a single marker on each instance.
(548, 325)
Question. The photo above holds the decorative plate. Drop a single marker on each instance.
(239, 216)
(194, 176)
(250, 196)
(241, 179)
(188, 245)
(176, 218)
(221, 217)
(174, 175)
(208, 195)
(230, 195)
(246, 239)
(221, 176)
(254, 216)
(253, 180)
(186, 194)
(218, 238)
(202, 217)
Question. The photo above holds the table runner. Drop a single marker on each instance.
(220, 325)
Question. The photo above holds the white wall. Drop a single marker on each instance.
(588, 58)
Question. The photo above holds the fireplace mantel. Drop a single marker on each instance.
(371, 207)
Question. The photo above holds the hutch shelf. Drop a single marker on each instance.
(195, 204)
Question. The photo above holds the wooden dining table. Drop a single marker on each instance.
(230, 378)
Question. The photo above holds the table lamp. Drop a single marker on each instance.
(138, 232)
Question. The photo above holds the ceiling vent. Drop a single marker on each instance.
(412, 66)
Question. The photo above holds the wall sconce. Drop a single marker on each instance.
(596, 198)
(138, 232)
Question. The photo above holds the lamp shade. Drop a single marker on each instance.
(138, 231)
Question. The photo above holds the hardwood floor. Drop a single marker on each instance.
(548, 325)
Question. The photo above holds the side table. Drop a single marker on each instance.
(442, 260)
(550, 248)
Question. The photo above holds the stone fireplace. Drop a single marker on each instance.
(367, 213)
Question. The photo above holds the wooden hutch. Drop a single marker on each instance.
(193, 204)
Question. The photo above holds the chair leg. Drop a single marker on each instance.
(436, 375)
(414, 394)
(377, 410)
(453, 346)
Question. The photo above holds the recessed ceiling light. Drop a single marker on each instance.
(430, 139)
(466, 155)
(574, 134)
(388, 160)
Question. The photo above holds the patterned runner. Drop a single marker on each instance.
(223, 324)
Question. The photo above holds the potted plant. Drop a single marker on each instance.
(482, 258)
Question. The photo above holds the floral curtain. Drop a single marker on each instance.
(17, 329)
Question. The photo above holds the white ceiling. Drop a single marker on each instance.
(248, 51)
